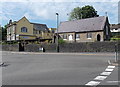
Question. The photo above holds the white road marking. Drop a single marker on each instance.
(100, 77)
(109, 62)
(92, 83)
(113, 81)
(106, 73)
(109, 69)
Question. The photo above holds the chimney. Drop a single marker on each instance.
(10, 22)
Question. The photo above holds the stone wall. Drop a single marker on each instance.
(88, 47)
(66, 47)
(12, 47)
(37, 47)
(74, 47)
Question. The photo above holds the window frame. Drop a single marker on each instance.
(71, 37)
(89, 35)
(24, 29)
(77, 36)
(65, 36)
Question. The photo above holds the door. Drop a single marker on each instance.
(98, 37)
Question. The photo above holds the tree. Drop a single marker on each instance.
(84, 12)
(0, 33)
(4, 32)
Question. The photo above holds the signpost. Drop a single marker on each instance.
(116, 53)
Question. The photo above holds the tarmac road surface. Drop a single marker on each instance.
(56, 68)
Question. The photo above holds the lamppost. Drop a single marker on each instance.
(57, 44)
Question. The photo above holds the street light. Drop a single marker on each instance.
(57, 44)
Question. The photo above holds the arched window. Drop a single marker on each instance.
(24, 29)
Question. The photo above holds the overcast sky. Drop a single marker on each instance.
(43, 11)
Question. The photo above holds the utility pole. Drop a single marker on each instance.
(57, 43)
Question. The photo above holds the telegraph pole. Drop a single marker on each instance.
(57, 43)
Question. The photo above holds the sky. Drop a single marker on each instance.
(44, 11)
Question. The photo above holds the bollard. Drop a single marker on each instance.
(41, 49)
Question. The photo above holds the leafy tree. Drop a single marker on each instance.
(4, 32)
(84, 12)
(0, 33)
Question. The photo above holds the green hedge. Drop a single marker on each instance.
(115, 39)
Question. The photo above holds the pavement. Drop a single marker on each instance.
(31, 68)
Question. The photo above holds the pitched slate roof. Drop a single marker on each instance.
(37, 26)
(41, 27)
(83, 25)
(114, 26)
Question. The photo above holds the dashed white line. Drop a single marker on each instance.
(113, 81)
(106, 73)
(92, 83)
(109, 69)
(100, 77)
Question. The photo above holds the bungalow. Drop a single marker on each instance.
(85, 30)
(115, 29)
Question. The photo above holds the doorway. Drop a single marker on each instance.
(21, 47)
(98, 37)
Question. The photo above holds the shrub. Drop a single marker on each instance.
(115, 39)
(61, 41)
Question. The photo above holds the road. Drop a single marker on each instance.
(56, 68)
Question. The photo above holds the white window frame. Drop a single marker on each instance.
(70, 38)
(77, 37)
(89, 35)
(64, 36)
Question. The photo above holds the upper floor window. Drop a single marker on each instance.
(8, 31)
(89, 35)
(23, 29)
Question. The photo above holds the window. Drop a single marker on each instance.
(23, 29)
(106, 30)
(64, 36)
(70, 37)
(77, 36)
(33, 31)
(13, 29)
(8, 31)
(89, 35)
(39, 32)
(61, 35)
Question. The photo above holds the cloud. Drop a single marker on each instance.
(59, 0)
(46, 10)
